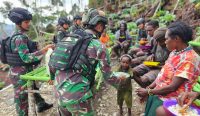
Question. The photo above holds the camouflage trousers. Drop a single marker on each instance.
(21, 97)
(82, 109)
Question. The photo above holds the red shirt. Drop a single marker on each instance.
(183, 65)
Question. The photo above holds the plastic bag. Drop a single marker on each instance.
(47, 58)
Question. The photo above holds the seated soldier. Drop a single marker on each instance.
(123, 40)
(144, 75)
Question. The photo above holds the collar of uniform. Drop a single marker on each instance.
(60, 28)
(20, 31)
(91, 32)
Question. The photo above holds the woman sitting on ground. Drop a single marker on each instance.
(179, 73)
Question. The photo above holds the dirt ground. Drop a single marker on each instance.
(105, 101)
(4, 77)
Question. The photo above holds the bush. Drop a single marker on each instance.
(164, 17)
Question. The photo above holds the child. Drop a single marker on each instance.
(124, 92)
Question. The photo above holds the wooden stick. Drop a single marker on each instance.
(176, 6)
(157, 8)
(32, 109)
(41, 92)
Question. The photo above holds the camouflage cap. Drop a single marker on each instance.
(93, 16)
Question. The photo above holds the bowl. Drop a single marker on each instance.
(168, 103)
(119, 74)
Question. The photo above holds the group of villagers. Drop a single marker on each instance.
(173, 78)
(176, 74)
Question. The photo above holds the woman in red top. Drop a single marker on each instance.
(179, 73)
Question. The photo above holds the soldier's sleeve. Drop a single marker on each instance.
(72, 29)
(60, 36)
(104, 61)
(26, 56)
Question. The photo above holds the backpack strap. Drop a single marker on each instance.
(9, 41)
(79, 48)
(82, 59)
(64, 34)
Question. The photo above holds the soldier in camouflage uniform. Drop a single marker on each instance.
(73, 88)
(77, 23)
(62, 27)
(19, 46)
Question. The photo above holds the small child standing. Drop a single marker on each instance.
(124, 92)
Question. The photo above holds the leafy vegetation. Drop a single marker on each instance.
(113, 16)
(41, 20)
(164, 17)
(132, 27)
(197, 8)
(135, 11)
(198, 31)
(195, 1)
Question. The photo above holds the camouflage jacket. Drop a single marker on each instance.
(61, 33)
(72, 87)
(75, 27)
(19, 45)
